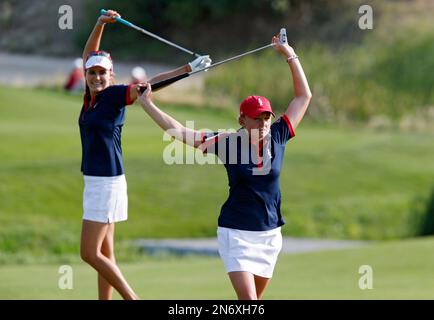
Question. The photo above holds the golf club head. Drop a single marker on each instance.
(282, 36)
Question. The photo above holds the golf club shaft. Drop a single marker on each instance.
(131, 25)
(233, 58)
(165, 83)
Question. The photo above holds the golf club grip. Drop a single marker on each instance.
(165, 83)
(125, 22)
(282, 36)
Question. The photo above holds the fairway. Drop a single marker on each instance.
(401, 270)
(349, 183)
(351, 191)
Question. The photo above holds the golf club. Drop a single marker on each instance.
(131, 25)
(164, 83)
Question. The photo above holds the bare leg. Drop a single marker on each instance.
(244, 285)
(92, 237)
(105, 289)
(261, 283)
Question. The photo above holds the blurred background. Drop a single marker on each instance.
(360, 168)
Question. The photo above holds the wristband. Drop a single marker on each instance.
(292, 58)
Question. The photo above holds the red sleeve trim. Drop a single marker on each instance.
(202, 140)
(291, 130)
(128, 99)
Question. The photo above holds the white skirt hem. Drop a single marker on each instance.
(250, 251)
(105, 199)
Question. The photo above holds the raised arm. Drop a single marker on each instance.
(200, 62)
(94, 39)
(160, 77)
(170, 74)
(166, 122)
(302, 95)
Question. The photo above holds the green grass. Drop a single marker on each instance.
(336, 182)
(355, 81)
(401, 270)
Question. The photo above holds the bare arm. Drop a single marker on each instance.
(302, 94)
(94, 40)
(167, 123)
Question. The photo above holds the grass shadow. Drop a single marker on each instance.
(427, 226)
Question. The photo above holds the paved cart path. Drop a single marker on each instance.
(209, 246)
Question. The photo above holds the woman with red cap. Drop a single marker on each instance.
(249, 234)
(105, 198)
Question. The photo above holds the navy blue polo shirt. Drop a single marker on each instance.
(101, 130)
(254, 176)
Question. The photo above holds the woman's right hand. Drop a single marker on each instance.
(109, 17)
(145, 97)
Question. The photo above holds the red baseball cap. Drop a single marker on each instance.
(253, 106)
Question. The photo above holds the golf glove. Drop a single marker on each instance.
(200, 63)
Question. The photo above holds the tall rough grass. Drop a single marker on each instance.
(387, 75)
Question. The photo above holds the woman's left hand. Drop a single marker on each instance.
(283, 48)
(109, 17)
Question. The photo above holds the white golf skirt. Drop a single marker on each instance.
(252, 251)
(105, 199)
